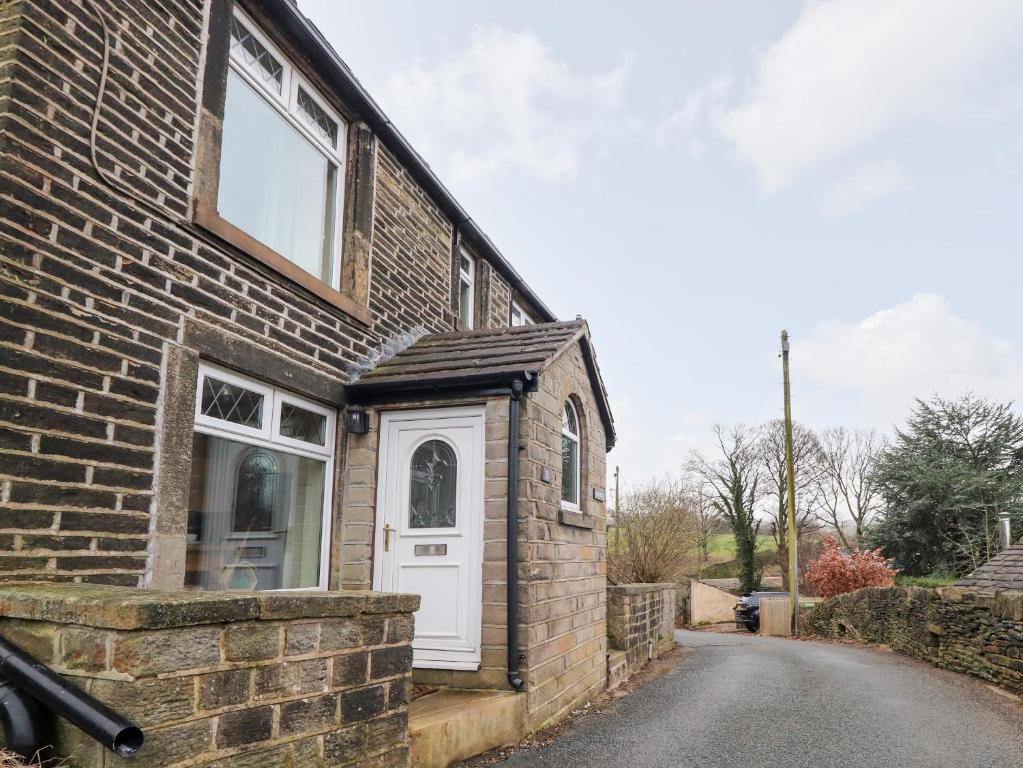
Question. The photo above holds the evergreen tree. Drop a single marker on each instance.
(945, 478)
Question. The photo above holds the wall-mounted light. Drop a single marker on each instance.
(357, 420)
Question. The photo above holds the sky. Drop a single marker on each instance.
(693, 177)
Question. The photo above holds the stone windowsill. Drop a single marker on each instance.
(575, 519)
(125, 608)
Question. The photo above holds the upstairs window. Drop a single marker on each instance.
(281, 156)
(519, 316)
(466, 290)
(569, 457)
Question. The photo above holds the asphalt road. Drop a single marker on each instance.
(740, 700)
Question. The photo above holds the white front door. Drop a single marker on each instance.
(430, 528)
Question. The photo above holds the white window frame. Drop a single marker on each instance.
(269, 436)
(467, 276)
(520, 313)
(577, 439)
(285, 104)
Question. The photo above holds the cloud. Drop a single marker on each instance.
(506, 103)
(654, 440)
(702, 108)
(863, 185)
(848, 71)
(914, 349)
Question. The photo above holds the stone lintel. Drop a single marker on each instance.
(111, 607)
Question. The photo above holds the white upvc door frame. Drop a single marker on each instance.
(387, 566)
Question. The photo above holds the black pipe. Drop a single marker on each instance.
(514, 675)
(21, 721)
(70, 702)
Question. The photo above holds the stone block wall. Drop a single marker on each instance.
(641, 621)
(98, 290)
(228, 679)
(563, 563)
(953, 627)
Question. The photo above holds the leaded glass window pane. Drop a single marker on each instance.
(256, 54)
(569, 423)
(300, 424)
(569, 470)
(317, 118)
(432, 490)
(229, 402)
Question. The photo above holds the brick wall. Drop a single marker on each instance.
(957, 628)
(96, 288)
(640, 621)
(563, 568)
(268, 680)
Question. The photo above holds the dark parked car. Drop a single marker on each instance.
(747, 611)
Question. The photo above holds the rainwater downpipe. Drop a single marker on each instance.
(21, 721)
(514, 657)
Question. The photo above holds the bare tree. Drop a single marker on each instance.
(845, 492)
(657, 530)
(805, 475)
(708, 523)
(733, 477)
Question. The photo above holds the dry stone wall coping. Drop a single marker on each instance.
(112, 607)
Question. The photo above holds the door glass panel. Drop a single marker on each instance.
(432, 486)
(255, 492)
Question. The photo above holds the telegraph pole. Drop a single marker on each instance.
(793, 555)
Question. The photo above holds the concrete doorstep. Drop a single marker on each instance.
(453, 724)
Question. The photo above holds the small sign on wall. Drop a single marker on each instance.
(598, 494)
(545, 474)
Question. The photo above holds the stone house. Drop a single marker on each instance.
(250, 344)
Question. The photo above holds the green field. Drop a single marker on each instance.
(722, 547)
(934, 580)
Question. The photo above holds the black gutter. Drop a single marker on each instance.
(512, 553)
(70, 702)
(328, 64)
(368, 392)
(22, 723)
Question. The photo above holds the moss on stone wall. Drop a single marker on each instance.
(958, 629)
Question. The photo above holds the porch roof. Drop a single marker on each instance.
(481, 360)
(1003, 571)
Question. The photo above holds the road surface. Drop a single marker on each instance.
(740, 700)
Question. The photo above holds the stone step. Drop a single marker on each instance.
(455, 724)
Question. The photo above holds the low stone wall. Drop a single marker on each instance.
(640, 621)
(228, 679)
(959, 629)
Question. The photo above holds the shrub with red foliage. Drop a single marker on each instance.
(835, 571)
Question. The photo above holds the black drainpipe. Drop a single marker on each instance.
(22, 722)
(49, 689)
(514, 676)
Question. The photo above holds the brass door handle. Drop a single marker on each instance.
(387, 536)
